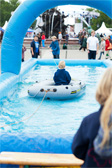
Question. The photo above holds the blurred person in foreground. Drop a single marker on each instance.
(83, 141)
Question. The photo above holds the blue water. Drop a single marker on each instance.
(54, 117)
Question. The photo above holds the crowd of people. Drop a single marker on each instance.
(92, 43)
(36, 44)
(95, 42)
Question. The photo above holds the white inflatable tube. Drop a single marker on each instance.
(73, 90)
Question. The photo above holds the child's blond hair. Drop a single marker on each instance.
(61, 64)
(104, 97)
(53, 37)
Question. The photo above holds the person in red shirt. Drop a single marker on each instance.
(43, 40)
(107, 49)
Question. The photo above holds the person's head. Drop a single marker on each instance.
(53, 38)
(93, 33)
(61, 65)
(106, 38)
(102, 39)
(84, 29)
(35, 38)
(39, 34)
(104, 97)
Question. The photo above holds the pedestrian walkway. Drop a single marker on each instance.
(64, 54)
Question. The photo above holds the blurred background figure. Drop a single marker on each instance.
(23, 51)
(60, 37)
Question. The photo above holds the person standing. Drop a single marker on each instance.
(39, 39)
(35, 47)
(55, 47)
(84, 43)
(102, 46)
(60, 37)
(43, 40)
(81, 42)
(92, 46)
(66, 38)
(23, 50)
(107, 48)
(83, 141)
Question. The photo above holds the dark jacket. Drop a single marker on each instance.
(84, 43)
(62, 77)
(82, 146)
(55, 47)
(33, 46)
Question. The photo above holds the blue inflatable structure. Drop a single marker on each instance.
(23, 17)
(12, 72)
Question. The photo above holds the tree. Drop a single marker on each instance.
(6, 8)
(14, 4)
(33, 24)
(4, 13)
(97, 22)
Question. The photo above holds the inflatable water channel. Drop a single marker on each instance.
(9, 80)
(37, 142)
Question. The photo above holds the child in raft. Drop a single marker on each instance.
(61, 76)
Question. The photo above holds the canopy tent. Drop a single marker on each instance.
(103, 29)
(5, 25)
(30, 30)
(29, 33)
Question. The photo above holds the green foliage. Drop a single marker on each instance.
(33, 24)
(6, 8)
(90, 9)
(14, 4)
(97, 22)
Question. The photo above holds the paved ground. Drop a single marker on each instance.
(71, 53)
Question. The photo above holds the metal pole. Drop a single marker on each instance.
(45, 24)
(60, 21)
(52, 24)
(49, 23)
(66, 54)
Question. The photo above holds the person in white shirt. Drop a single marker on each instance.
(92, 46)
(102, 46)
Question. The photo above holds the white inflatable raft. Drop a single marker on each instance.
(74, 89)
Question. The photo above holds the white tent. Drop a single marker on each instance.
(5, 25)
(103, 29)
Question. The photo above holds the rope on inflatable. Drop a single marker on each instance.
(29, 116)
(35, 93)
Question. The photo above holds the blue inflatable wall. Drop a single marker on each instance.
(23, 17)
